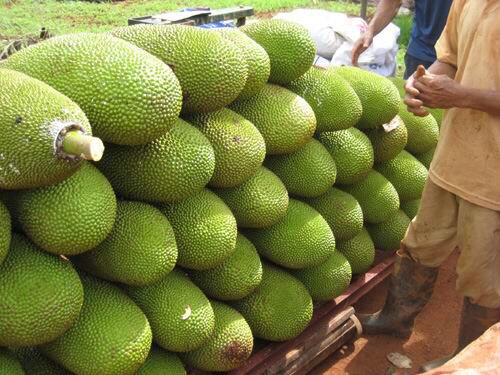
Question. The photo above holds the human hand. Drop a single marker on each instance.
(361, 46)
(440, 91)
(414, 105)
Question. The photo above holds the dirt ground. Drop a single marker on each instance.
(435, 333)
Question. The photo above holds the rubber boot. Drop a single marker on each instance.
(409, 291)
(475, 320)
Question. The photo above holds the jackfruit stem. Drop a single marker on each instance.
(79, 144)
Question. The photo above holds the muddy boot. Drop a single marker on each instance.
(474, 322)
(410, 289)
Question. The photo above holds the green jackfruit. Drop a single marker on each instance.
(406, 174)
(70, 217)
(389, 234)
(352, 151)
(377, 197)
(205, 230)
(169, 169)
(279, 309)
(236, 277)
(228, 347)
(302, 238)
(410, 208)
(129, 96)
(140, 249)
(423, 132)
(9, 365)
(288, 44)
(42, 295)
(161, 362)
(379, 97)
(359, 251)
(239, 147)
(35, 363)
(5, 231)
(258, 63)
(181, 316)
(333, 100)
(387, 144)
(34, 152)
(284, 119)
(259, 202)
(342, 212)
(426, 157)
(212, 70)
(111, 337)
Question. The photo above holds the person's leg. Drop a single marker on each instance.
(411, 64)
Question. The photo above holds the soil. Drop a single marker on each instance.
(435, 333)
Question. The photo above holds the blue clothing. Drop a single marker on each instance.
(428, 24)
(411, 64)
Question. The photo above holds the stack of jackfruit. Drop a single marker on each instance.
(238, 184)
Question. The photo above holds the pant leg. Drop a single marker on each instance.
(412, 63)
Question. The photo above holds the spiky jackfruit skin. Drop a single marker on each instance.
(205, 230)
(68, 218)
(423, 132)
(200, 70)
(377, 197)
(285, 120)
(161, 362)
(111, 336)
(327, 280)
(386, 145)
(308, 172)
(30, 157)
(35, 363)
(5, 231)
(181, 316)
(169, 169)
(426, 157)
(140, 249)
(259, 202)
(129, 96)
(406, 174)
(389, 234)
(302, 238)
(42, 295)
(333, 100)
(279, 309)
(228, 347)
(9, 365)
(236, 277)
(258, 63)
(238, 145)
(288, 44)
(359, 251)
(410, 208)
(352, 151)
(341, 211)
(379, 97)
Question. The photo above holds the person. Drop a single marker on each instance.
(460, 204)
(430, 18)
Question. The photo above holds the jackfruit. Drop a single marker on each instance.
(37, 124)
(379, 97)
(359, 251)
(279, 309)
(307, 172)
(288, 44)
(35, 363)
(169, 169)
(333, 100)
(426, 157)
(236, 277)
(42, 295)
(238, 145)
(212, 70)
(406, 174)
(140, 249)
(70, 217)
(228, 347)
(284, 119)
(302, 238)
(389, 234)
(258, 63)
(9, 365)
(352, 151)
(205, 230)
(129, 96)
(342, 212)
(410, 208)
(181, 316)
(259, 202)
(423, 132)
(111, 337)
(377, 197)
(387, 144)
(161, 362)
(5, 231)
